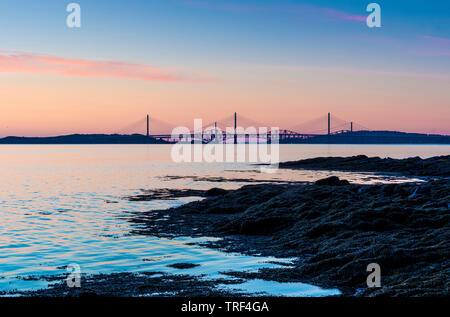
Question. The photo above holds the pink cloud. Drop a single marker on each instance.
(435, 46)
(306, 10)
(341, 15)
(437, 40)
(34, 63)
(362, 70)
(435, 53)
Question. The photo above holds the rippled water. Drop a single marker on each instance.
(62, 204)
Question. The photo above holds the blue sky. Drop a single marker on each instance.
(248, 31)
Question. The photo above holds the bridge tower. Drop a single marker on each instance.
(148, 126)
(215, 132)
(235, 127)
(329, 123)
(351, 126)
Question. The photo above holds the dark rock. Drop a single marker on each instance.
(215, 192)
(182, 266)
(415, 166)
(165, 194)
(263, 226)
(332, 181)
(333, 231)
(128, 284)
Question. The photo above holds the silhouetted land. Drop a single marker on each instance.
(84, 139)
(358, 137)
(373, 137)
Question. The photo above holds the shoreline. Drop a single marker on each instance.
(332, 241)
(332, 228)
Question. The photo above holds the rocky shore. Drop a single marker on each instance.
(128, 284)
(333, 228)
(414, 166)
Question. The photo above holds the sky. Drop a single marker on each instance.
(280, 62)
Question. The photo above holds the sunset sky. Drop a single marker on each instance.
(279, 62)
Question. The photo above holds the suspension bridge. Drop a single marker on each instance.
(243, 130)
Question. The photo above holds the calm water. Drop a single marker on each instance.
(62, 204)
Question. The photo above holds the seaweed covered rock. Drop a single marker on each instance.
(415, 166)
(332, 181)
(334, 231)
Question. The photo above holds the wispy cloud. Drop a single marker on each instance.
(437, 40)
(332, 13)
(299, 9)
(435, 53)
(36, 63)
(435, 46)
(351, 70)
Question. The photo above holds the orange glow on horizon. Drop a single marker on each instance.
(49, 104)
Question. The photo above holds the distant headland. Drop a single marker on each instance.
(373, 137)
(356, 137)
(85, 139)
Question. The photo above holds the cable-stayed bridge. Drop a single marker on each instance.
(241, 129)
(327, 129)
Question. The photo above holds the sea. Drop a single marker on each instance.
(65, 204)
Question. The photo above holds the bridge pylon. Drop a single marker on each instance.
(235, 127)
(329, 124)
